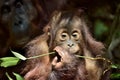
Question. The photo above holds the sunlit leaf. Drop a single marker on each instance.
(115, 66)
(19, 55)
(8, 76)
(9, 61)
(115, 76)
(7, 58)
(18, 77)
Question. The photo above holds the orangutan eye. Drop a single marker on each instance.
(64, 36)
(75, 35)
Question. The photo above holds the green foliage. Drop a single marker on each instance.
(115, 76)
(115, 66)
(8, 76)
(11, 61)
(19, 55)
(100, 28)
(18, 77)
(8, 61)
(116, 34)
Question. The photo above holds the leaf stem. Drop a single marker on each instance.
(41, 55)
(98, 58)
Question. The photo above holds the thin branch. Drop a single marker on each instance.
(98, 58)
(41, 55)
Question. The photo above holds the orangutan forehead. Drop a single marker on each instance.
(74, 22)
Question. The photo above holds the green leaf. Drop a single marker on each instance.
(115, 66)
(9, 61)
(100, 28)
(115, 76)
(18, 77)
(19, 55)
(7, 58)
(8, 76)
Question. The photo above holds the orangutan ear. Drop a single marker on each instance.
(47, 29)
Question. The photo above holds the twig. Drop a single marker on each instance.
(41, 55)
(98, 58)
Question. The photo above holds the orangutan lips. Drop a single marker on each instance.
(59, 52)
